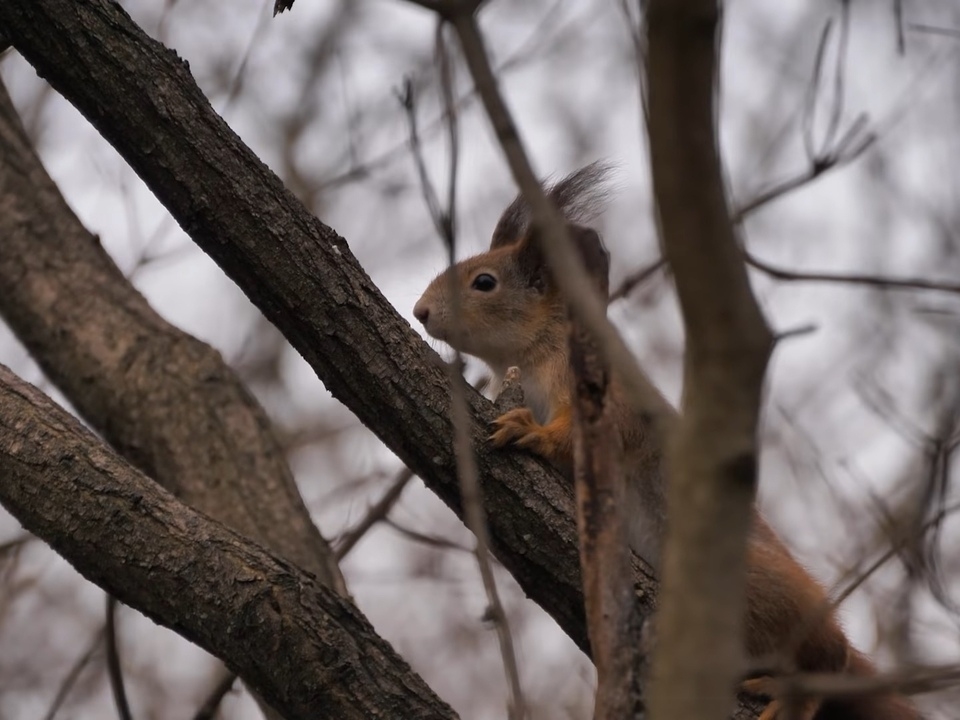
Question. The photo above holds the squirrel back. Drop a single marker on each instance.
(511, 313)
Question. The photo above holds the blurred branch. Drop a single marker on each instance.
(935, 30)
(444, 220)
(712, 462)
(424, 539)
(197, 431)
(555, 244)
(612, 620)
(516, 59)
(71, 678)
(814, 618)
(208, 710)
(374, 515)
(870, 280)
(631, 281)
(11, 546)
(114, 668)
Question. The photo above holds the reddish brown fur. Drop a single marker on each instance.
(523, 323)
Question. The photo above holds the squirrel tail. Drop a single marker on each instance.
(887, 706)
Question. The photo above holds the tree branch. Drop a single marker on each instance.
(601, 501)
(291, 639)
(165, 400)
(305, 280)
(713, 459)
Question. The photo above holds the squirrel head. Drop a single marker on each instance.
(510, 309)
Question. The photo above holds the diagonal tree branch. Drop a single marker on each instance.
(165, 400)
(294, 641)
(304, 278)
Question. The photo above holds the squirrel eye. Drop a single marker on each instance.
(484, 282)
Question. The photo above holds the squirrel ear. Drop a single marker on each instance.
(596, 259)
(513, 223)
(531, 263)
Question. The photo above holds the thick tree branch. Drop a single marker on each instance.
(713, 461)
(300, 645)
(303, 277)
(165, 400)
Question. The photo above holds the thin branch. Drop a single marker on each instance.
(114, 669)
(560, 255)
(474, 513)
(631, 281)
(934, 30)
(208, 710)
(837, 598)
(854, 278)
(71, 678)
(11, 546)
(376, 513)
(431, 540)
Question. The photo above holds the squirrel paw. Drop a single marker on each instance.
(517, 427)
(777, 709)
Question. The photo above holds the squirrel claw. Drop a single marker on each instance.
(513, 427)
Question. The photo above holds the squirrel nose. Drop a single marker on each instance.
(421, 313)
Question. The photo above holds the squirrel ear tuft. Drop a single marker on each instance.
(580, 197)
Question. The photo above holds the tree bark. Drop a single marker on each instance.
(612, 619)
(305, 649)
(304, 279)
(163, 399)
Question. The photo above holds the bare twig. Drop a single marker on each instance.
(376, 513)
(935, 30)
(631, 281)
(565, 266)
(11, 546)
(434, 541)
(475, 516)
(854, 278)
(839, 596)
(114, 669)
(525, 50)
(71, 678)
(208, 710)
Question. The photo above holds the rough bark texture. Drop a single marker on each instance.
(163, 399)
(303, 277)
(712, 463)
(612, 620)
(309, 652)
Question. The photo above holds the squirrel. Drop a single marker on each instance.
(511, 313)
